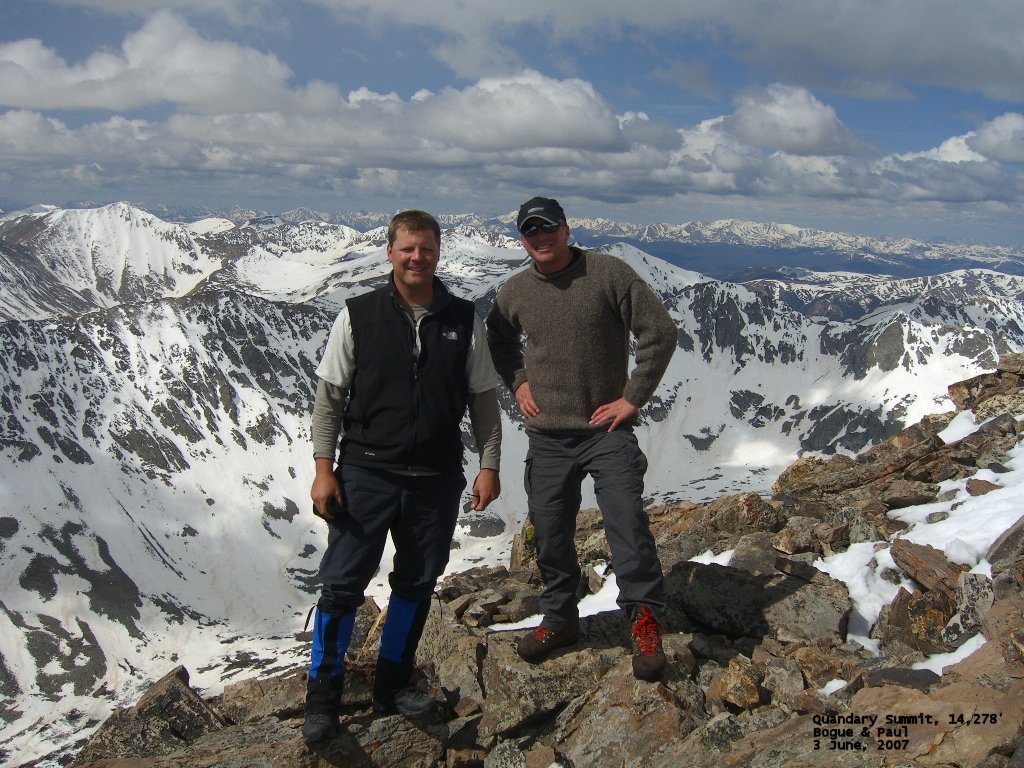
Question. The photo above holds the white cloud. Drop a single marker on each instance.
(874, 49)
(860, 46)
(640, 130)
(521, 133)
(238, 121)
(165, 61)
(521, 112)
(241, 12)
(1001, 139)
(791, 120)
(950, 173)
(955, 149)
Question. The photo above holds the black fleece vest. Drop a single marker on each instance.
(406, 412)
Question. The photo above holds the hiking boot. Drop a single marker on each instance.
(540, 643)
(408, 702)
(319, 727)
(648, 657)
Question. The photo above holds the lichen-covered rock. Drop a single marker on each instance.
(168, 717)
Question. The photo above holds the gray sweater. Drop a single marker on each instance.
(568, 334)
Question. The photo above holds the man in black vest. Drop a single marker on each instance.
(401, 366)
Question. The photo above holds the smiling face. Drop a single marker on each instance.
(549, 250)
(413, 256)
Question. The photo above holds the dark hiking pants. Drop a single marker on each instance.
(555, 467)
(420, 514)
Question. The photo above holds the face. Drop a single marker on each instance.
(413, 256)
(549, 250)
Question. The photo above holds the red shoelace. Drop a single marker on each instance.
(646, 632)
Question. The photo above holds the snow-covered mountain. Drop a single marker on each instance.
(157, 382)
(853, 297)
(729, 249)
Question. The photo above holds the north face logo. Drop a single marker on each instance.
(451, 334)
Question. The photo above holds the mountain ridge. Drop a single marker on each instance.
(863, 250)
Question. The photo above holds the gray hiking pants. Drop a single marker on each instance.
(555, 467)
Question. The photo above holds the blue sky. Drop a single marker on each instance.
(899, 119)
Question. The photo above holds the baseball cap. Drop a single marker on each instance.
(543, 208)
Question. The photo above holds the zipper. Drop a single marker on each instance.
(416, 349)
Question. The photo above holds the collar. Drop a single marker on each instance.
(576, 260)
(442, 297)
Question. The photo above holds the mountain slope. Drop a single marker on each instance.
(155, 439)
(105, 257)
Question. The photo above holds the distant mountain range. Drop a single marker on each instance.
(157, 380)
(727, 249)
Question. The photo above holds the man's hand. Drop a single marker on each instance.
(616, 412)
(524, 397)
(486, 489)
(326, 493)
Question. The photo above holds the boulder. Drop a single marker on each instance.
(168, 717)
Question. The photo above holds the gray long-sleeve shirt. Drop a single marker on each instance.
(568, 334)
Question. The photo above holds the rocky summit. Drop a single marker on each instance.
(761, 669)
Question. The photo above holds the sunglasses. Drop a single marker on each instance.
(532, 229)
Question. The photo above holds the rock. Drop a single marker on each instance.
(481, 610)
(1000, 404)
(717, 598)
(395, 741)
(797, 536)
(253, 699)
(858, 522)
(757, 514)
(974, 596)
(755, 553)
(456, 654)
(917, 619)
(969, 394)
(518, 693)
(1011, 362)
(168, 717)
(977, 487)
(506, 754)
(927, 566)
(1009, 546)
(705, 745)
(541, 756)
(1003, 626)
(919, 679)
(940, 727)
(806, 607)
(783, 681)
(899, 493)
(818, 667)
(832, 537)
(936, 468)
(737, 689)
(623, 721)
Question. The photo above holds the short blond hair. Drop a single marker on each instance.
(413, 221)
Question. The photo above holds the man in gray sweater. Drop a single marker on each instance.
(559, 333)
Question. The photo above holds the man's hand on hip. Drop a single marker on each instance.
(617, 412)
(524, 396)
